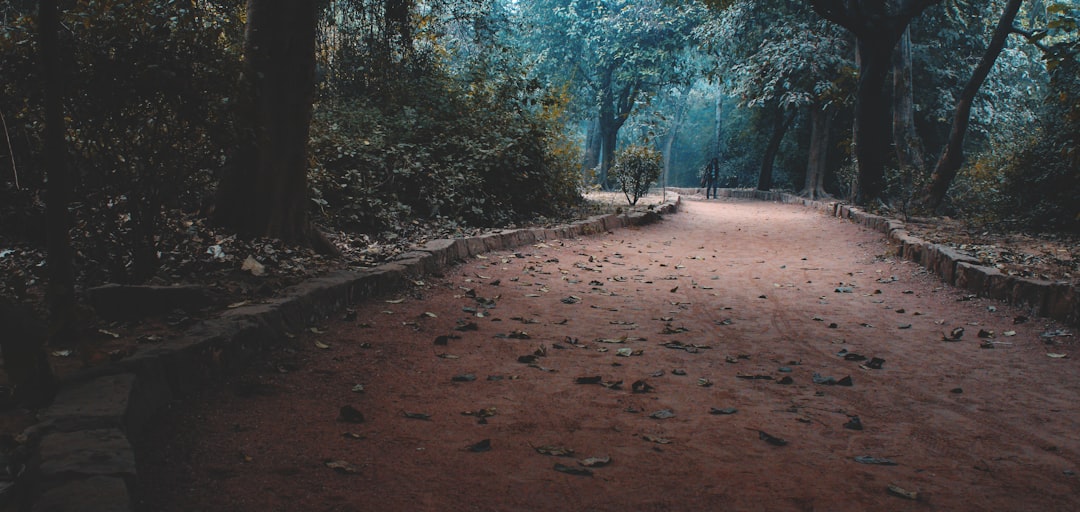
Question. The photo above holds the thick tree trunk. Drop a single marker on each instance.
(24, 354)
(877, 26)
(909, 154)
(871, 131)
(780, 125)
(953, 157)
(820, 125)
(266, 192)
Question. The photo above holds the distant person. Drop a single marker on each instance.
(710, 178)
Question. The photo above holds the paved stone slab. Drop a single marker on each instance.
(95, 404)
(86, 453)
(94, 494)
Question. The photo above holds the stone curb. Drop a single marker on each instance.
(84, 459)
(1057, 300)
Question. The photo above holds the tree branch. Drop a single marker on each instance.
(1031, 38)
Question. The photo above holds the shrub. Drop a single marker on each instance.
(636, 168)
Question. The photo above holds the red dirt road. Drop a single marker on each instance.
(968, 428)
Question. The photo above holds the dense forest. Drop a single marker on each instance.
(130, 125)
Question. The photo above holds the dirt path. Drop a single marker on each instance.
(968, 428)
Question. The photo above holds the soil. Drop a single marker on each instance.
(724, 301)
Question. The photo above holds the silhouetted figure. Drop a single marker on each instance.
(710, 178)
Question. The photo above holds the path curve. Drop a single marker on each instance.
(763, 285)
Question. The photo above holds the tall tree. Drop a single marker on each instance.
(877, 26)
(791, 62)
(616, 52)
(265, 192)
(906, 140)
(952, 158)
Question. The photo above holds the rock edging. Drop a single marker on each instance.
(83, 456)
(1057, 300)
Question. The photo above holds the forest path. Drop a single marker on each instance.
(772, 290)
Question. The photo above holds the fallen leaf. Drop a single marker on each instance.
(657, 440)
(595, 462)
(1057, 356)
(394, 301)
(773, 440)
(866, 459)
(570, 470)
(342, 466)
(898, 491)
(416, 415)
(321, 345)
(350, 414)
(482, 446)
(662, 414)
(555, 451)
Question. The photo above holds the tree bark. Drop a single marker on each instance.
(266, 192)
(780, 125)
(673, 134)
(877, 26)
(871, 131)
(953, 157)
(908, 145)
(61, 288)
(592, 145)
(820, 125)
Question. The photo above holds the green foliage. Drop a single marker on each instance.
(147, 114)
(636, 169)
(488, 151)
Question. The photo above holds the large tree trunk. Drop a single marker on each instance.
(266, 193)
(23, 349)
(953, 157)
(909, 154)
(877, 26)
(718, 127)
(780, 125)
(820, 125)
(871, 131)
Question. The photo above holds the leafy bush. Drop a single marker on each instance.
(636, 168)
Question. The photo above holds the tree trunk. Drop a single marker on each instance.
(592, 145)
(909, 154)
(24, 354)
(953, 157)
(266, 193)
(718, 127)
(820, 125)
(780, 126)
(61, 289)
(871, 131)
(673, 134)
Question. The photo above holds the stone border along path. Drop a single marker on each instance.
(83, 457)
(1057, 300)
(86, 462)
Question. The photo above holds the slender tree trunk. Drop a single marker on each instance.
(906, 140)
(673, 134)
(953, 157)
(266, 192)
(780, 125)
(718, 127)
(820, 125)
(592, 145)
